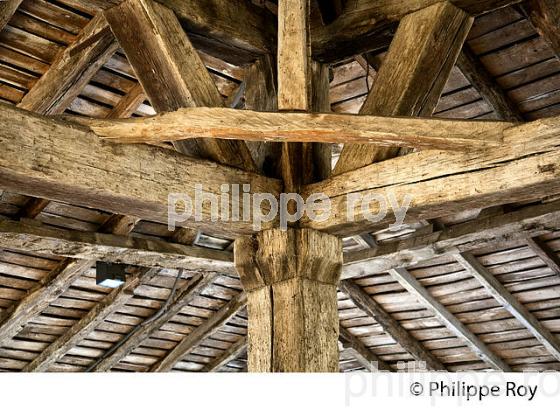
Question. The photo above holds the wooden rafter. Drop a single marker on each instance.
(74, 166)
(87, 324)
(116, 248)
(545, 16)
(391, 326)
(444, 183)
(411, 284)
(366, 25)
(171, 72)
(230, 354)
(183, 296)
(256, 126)
(207, 329)
(489, 89)
(510, 303)
(72, 70)
(7, 10)
(49, 289)
(413, 74)
(369, 360)
(485, 231)
(543, 251)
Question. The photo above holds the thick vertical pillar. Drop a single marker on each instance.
(291, 282)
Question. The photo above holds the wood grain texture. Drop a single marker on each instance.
(171, 72)
(207, 329)
(510, 303)
(542, 250)
(443, 183)
(302, 127)
(367, 25)
(481, 79)
(411, 284)
(290, 277)
(483, 232)
(111, 248)
(129, 104)
(87, 324)
(261, 94)
(391, 326)
(72, 70)
(413, 74)
(184, 295)
(234, 22)
(545, 16)
(369, 360)
(294, 56)
(7, 10)
(51, 159)
(230, 354)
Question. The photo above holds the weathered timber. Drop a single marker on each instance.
(545, 16)
(391, 326)
(369, 360)
(7, 10)
(127, 250)
(411, 284)
(294, 85)
(51, 159)
(510, 303)
(72, 70)
(261, 94)
(302, 127)
(207, 329)
(54, 284)
(13, 319)
(542, 250)
(234, 22)
(367, 25)
(109, 304)
(413, 74)
(290, 278)
(230, 354)
(441, 183)
(171, 72)
(489, 89)
(129, 103)
(486, 231)
(184, 295)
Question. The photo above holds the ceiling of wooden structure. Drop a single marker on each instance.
(506, 50)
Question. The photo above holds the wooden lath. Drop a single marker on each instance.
(510, 303)
(391, 326)
(183, 296)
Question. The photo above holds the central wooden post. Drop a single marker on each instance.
(291, 282)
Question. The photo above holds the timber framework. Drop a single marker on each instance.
(452, 106)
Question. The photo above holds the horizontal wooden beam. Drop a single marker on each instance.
(52, 159)
(32, 237)
(390, 325)
(488, 231)
(248, 125)
(441, 183)
(510, 303)
(411, 284)
(203, 331)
